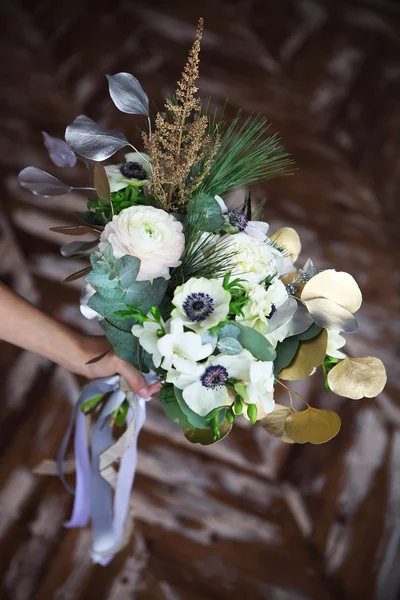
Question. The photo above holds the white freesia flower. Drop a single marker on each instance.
(335, 341)
(205, 387)
(253, 260)
(148, 338)
(134, 171)
(268, 310)
(182, 349)
(255, 229)
(150, 234)
(260, 390)
(201, 303)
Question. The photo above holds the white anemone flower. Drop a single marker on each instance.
(182, 349)
(135, 170)
(201, 303)
(260, 389)
(335, 341)
(255, 229)
(268, 311)
(205, 387)
(148, 338)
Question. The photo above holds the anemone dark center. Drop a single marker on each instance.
(272, 311)
(214, 377)
(238, 219)
(198, 306)
(133, 170)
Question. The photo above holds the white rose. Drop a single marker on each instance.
(253, 260)
(150, 234)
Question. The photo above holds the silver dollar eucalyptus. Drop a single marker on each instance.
(41, 183)
(91, 140)
(59, 152)
(127, 94)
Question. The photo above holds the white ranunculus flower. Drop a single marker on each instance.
(150, 234)
(134, 171)
(335, 341)
(205, 387)
(255, 229)
(260, 390)
(268, 310)
(148, 338)
(201, 303)
(182, 349)
(253, 260)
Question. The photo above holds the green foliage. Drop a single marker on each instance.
(129, 196)
(229, 345)
(89, 405)
(204, 214)
(195, 419)
(229, 330)
(256, 343)
(115, 281)
(125, 345)
(172, 408)
(286, 350)
(246, 155)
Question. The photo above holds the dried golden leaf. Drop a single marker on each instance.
(205, 437)
(312, 425)
(101, 183)
(273, 423)
(289, 238)
(330, 315)
(311, 354)
(337, 286)
(358, 377)
(285, 438)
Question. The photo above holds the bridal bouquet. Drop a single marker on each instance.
(194, 291)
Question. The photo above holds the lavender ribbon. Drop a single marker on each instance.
(93, 493)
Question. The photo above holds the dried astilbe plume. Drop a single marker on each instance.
(181, 147)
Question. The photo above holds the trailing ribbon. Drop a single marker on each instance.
(96, 477)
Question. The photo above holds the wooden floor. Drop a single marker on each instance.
(251, 518)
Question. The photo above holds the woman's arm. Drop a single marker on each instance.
(27, 327)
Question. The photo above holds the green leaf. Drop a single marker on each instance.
(230, 330)
(256, 343)
(309, 333)
(88, 217)
(172, 409)
(107, 307)
(124, 344)
(205, 211)
(194, 419)
(89, 404)
(229, 345)
(285, 352)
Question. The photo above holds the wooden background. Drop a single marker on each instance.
(252, 517)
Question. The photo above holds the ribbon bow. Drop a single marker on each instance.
(96, 477)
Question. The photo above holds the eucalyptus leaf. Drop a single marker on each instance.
(59, 152)
(107, 307)
(205, 211)
(256, 343)
(230, 330)
(91, 140)
(195, 419)
(285, 352)
(127, 94)
(42, 184)
(74, 247)
(175, 413)
(124, 343)
(229, 345)
(310, 333)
